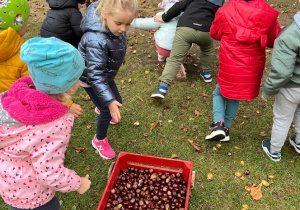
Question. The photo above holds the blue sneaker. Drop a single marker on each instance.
(159, 93)
(266, 145)
(206, 76)
(294, 144)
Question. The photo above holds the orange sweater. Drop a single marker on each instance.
(11, 66)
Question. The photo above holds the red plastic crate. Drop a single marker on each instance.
(158, 164)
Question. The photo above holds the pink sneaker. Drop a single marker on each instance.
(113, 122)
(103, 148)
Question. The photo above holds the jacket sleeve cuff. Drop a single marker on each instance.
(265, 95)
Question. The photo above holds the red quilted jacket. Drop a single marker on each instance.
(245, 29)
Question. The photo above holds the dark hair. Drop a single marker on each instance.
(81, 1)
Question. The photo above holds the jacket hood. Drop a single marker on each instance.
(29, 106)
(91, 21)
(10, 42)
(297, 19)
(250, 21)
(60, 4)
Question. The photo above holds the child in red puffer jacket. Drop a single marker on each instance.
(245, 28)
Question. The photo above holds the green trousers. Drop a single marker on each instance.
(183, 40)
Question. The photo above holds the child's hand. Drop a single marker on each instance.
(158, 18)
(76, 110)
(263, 98)
(114, 110)
(85, 184)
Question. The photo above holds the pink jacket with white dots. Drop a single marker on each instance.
(34, 135)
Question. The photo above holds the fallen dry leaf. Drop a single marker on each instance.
(161, 141)
(197, 113)
(242, 163)
(155, 124)
(209, 176)
(87, 125)
(236, 147)
(218, 145)
(247, 188)
(85, 97)
(140, 98)
(271, 177)
(263, 133)
(256, 192)
(131, 141)
(241, 125)
(181, 126)
(196, 146)
(79, 149)
(238, 174)
(174, 156)
(137, 123)
(265, 183)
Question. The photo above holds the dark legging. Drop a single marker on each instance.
(53, 204)
(104, 117)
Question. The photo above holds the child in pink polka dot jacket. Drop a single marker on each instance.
(35, 127)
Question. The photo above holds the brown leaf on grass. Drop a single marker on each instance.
(181, 126)
(174, 156)
(89, 168)
(263, 133)
(188, 97)
(85, 97)
(192, 85)
(155, 124)
(197, 113)
(142, 100)
(258, 112)
(256, 192)
(209, 176)
(161, 141)
(241, 125)
(79, 149)
(196, 146)
(131, 141)
(292, 191)
(87, 125)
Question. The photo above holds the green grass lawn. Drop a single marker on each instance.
(137, 79)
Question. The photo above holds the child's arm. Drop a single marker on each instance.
(114, 110)
(218, 25)
(284, 56)
(145, 23)
(176, 10)
(75, 109)
(273, 34)
(75, 23)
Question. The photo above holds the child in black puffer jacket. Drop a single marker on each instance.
(63, 21)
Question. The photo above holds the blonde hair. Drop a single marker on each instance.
(110, 7)
(66, 97)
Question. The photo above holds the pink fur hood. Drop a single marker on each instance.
(30, 106)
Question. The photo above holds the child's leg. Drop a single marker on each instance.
(230, 111)
(218, 105)
(286, 103)
(297, 122)
(180, 47)
(162, 53)
(207, 57)
(104, 117)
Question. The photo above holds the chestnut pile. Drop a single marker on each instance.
(146, 189)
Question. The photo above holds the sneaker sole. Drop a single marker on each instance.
(226, 139)
(268, 154)
(294, 145)
(217, 136)
(157, 96)
(206, 80)
(100, 152)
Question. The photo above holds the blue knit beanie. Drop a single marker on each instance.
(54, 65)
